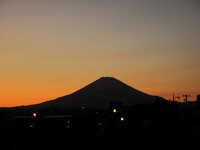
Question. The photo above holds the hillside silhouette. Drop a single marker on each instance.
(99, 94)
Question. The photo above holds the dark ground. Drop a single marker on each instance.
(35, 139)
(159, 125)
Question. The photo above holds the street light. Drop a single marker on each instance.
(114, 110)
(34, 115)
(122, 118)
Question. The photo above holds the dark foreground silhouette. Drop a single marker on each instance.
(159, 123)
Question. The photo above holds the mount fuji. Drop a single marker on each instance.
(99, 94)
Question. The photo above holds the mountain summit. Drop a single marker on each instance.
(99, 94)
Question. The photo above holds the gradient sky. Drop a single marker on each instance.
(51, 48)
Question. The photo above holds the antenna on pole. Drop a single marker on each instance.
(186, 96)
(173, 96)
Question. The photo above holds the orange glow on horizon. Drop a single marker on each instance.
(30, 96)
(50, 49)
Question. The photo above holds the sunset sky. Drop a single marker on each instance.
(51, 48)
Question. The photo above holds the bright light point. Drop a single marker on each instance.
(82, 107)
(122, 118)
(114, 110)
(31, 126)
(34, 114)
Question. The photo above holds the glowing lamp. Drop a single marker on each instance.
(122, 118)
(114, 110)
(34, 115)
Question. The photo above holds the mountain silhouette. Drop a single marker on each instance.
(99, 94)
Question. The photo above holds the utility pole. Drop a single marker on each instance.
(175, 97)
(186, 96)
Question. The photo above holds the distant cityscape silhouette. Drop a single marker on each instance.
(106, 108)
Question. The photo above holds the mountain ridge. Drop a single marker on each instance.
(99, 94)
